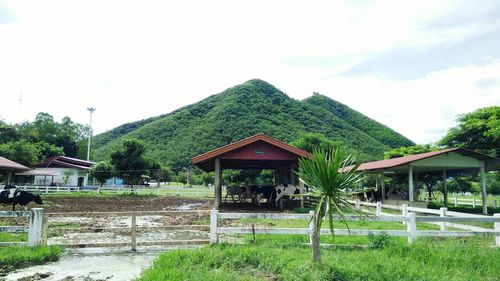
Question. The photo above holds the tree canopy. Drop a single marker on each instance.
(478, 130)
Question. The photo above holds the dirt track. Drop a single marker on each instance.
(57, 204)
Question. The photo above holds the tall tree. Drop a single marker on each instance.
(478, 130)
(129, 161)
(102, 171)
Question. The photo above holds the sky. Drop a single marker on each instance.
(411, 65)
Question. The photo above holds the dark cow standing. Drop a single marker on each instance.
(259, 192)
(20, 197)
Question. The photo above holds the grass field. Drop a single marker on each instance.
(13, 257)
(286, 258)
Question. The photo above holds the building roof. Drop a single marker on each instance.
(9, 165)
(65, 162)
(255, 152)
(400, 161)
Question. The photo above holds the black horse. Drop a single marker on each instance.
(14, 196)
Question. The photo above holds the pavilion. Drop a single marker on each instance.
(10, 167)
(258, 152)
(443, 161)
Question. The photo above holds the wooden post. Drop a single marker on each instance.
(442, 213)
(404, 211)
(473, 202)
(445, 191)
(133, 232)
(497, 229)
(412, 227)
(214, 238)
(35, 227)
(378, 211)
(314, 237)
(495, 203)
(456, 201)
(218, 184)
(483, 189)
(410, 183)
(301, 190)
(358, 206)
(45, 230)
(382, 184)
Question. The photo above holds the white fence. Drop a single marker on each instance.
(117, 189)
(474, 202)
(410, 220)
(34, 229)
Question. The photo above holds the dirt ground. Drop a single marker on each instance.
(61, 204)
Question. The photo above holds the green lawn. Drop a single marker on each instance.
(12, 257)
(283, 257)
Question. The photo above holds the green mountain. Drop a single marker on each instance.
(247, 109)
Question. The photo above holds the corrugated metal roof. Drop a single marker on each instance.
(66, 162)
(6, 164)
(395, 162)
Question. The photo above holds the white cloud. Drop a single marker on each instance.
(137, 59)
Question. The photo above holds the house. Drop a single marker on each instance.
(9, 167)
(60, 171)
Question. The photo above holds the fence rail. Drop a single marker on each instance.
(410, 219)
(34, 229)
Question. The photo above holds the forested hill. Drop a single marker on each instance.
(247, 109)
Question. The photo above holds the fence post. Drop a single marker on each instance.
(497, 229)
(214, 238)
(35, 227)
(46, 189)
(474, 202)
(45, 229)
(442, 213)
(412, 227)
(133, 232)
(456, 201)
(404, 211)
(314, 237)
(495, 203)
(358, 206)
(378, 212)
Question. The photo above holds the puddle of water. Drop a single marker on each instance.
(184, 207)
(90, 267)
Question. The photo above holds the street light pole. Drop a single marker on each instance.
(91, 110)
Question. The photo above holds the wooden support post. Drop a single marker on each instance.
(301, 190)
(404, 211)
(483, 189)
(314, 237)
(35, 227)
(445, 190)
(214, 238)
(410, 183)
(378, 211)
(442, 213)
(45, 230)
(497, 229)
(133, 232)
(412, 227)
(382, 184)
(218, 184)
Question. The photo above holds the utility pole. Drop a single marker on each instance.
(91, 110)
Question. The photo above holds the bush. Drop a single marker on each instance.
(378, 241)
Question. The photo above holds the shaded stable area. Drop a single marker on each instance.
(258, 152)
(9, 168)
(446, 163)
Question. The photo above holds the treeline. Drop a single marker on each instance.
(30, 142)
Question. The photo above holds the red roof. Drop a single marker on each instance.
(240, 151)
(391, 163)
(9, 165)
(65, 162)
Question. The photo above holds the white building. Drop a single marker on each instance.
(61, 171)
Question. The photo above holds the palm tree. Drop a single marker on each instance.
(330, 175)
